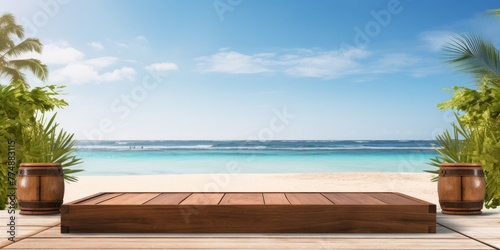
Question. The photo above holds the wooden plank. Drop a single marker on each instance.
(442, 233)
(352, 199)
(394, 198)
(493, 242)
(275, 199)
(413, 198)
(22, 232)
(130, 199)
(242, 199)
(99, 198)
(31, 220)
(203, 199)
(168, 199)
(86, 198)
(247, 243)
(308, 199)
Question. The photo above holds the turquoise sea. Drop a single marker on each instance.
(197, 157)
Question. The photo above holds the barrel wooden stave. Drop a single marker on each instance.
(40, 188)
(461, 188)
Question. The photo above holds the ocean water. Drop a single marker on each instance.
(106, 158)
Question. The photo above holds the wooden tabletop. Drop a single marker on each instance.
(260, 198)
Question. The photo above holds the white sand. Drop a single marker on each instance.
(414, 184)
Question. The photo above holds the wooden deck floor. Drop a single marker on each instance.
(453, 232)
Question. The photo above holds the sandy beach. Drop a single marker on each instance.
(415, 184)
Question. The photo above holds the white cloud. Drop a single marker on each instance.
(70, 67)
(299, 62)
(77, 73)
(141, 38)
(80, 73)
(394, 62)
(436, 40)
(324, 64)
(59, 52)
(118, 74)
(164, 67)
(232, 62)
(411, 64)
(102, 62)
(122, 45)
(316, 63)
(96, 45)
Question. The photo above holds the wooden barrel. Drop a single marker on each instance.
(461, 188)
(40, 188)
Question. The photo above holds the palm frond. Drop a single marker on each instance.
(452, 147)
(50, 143)
(8, 27)
(5, 36)
(28, 45)
(472, 54)
(11, 73)
(35, 66)
(495, 12)
(8, 23)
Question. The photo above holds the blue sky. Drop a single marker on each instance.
(252, 69)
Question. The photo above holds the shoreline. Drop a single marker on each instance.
(417, 185)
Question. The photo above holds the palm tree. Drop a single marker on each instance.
(10, 67)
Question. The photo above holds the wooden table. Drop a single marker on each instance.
(248, 213)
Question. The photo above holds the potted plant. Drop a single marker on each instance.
(48, 158)
(461, 181)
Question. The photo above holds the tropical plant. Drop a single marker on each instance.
(9, 51)
(19, 114)
(46, 142)
(479, 109)
(460, 146)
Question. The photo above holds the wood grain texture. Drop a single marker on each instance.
(308, 199)
(132, 198)
(99, 198)
(395, 199)
(352, 198)
(168, 199)
(242, 199)
(249, 243)
(275, 199)
(249, 213)
(203, 199)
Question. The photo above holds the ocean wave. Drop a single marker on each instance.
(235, 148)
(352, 148)
(139, 147)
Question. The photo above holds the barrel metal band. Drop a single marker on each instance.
(40, 204)
(461, 172)
(41, 172)
(462, 204)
